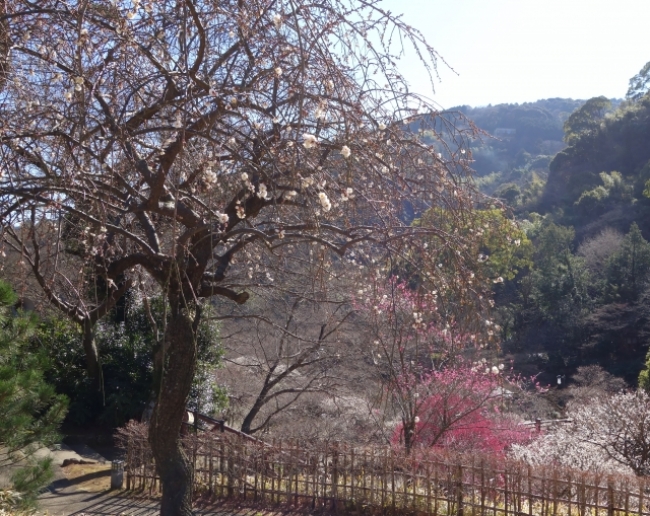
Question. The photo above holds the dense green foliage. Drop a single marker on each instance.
(581, 305)
(31, 411)
(585, 298)
(126, 349)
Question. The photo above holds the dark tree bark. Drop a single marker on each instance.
(93, 367)
(172, 462)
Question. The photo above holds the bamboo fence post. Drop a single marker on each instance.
(414, 482)
(352, 475)
(404, 503)
(505, 490)
(335, 475)
(210, 466)
(570, 495)
(392, 485)
(364, 472)
(229, 470)
(482, 486)
(459, 491)
(280, 473)
(555, 493)
(530, 491)
(222, 458)
(243, 467)
(256, 469)
(272, 464)
(435, 492)
(517, 490)
(262, 472)
(315, 479)
(428, 472)
(383, 479)
(143, 470)
(641, 489)
(326, 495)
(294, 465)
(129, 450)
(372, 468)
(610, 497)
(543, 494)
(343, 464)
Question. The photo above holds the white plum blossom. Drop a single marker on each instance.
(606, 433)
(310, 141)
(277, 20)
(324, 201)
(209, 176)
(321, 109)
(262, 192)
(382, 127)
(278, 71)
(345, 151)
(244, 177)
(222, 218)
(291, 194)
(241, 213)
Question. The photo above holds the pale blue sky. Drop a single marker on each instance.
(525, 50)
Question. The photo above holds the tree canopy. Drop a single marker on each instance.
(206, 147)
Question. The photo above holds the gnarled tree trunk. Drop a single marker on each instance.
(172, 463)
(93, 366)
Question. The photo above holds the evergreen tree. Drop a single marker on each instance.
(629, 268)
(30, 408)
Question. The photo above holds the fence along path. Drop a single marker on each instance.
(334, 475)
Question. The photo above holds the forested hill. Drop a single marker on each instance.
(585, 298)
(600, 178)
(512, 162)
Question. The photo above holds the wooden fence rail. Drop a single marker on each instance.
(339, 476)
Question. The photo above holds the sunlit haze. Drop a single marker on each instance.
(525, 50)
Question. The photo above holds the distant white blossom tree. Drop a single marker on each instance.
(609, 433)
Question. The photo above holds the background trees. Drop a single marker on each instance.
(640, 83)
(284, 352)
(608, 432)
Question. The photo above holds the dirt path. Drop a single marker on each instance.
(84, 490)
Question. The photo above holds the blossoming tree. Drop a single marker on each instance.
(202, 143)
(460, 408)
(440, 398)
(607, 433)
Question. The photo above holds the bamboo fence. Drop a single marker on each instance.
(337, 476)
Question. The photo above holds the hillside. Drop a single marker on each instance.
(585, 299)
(512, 161)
